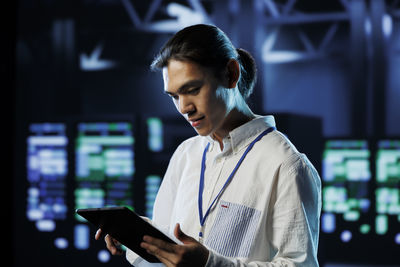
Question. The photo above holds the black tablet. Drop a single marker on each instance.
(125, 226)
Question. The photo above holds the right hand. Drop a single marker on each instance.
(112, 244)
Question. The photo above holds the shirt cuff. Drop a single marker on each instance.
(138, 261)
(215, 259)
(132, 257)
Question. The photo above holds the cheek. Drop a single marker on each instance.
(217, 110)
(217, 104)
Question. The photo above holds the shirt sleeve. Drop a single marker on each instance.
(293, 219)
(164, 203)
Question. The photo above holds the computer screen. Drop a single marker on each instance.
(104, 171)
(105, 165)
(47, 170)
(360, 193)
(85, 164)
(71, 165)
(346, 175)
(163, 135)
(387, 192)
(78, 163)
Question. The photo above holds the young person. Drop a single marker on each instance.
(238, 193)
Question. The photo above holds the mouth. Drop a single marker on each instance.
(196, 122)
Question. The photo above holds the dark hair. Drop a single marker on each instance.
(208, 46)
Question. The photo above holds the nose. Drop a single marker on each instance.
(185, 106)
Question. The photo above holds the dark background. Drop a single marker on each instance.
(327, 69)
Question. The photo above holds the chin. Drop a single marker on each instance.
(202, 132)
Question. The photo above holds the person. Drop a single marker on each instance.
(238, 193)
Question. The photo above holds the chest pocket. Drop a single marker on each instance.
(234, 229)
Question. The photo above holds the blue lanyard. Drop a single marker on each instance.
(203, 168)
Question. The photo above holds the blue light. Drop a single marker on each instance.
(93, 61)
(46, 225)
(81, 236)
(328, 171)
(368, 26)
(182, 16)
(185, 16)
(103, 256)
(155, 138)
(328, 222)
(152, 185)
(387, 25)
(61, 243)
(397, 239)
(346, 236)
(47, 163)
(284, 56)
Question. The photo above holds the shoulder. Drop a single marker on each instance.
(287, 159)
(277, 149)
(296, 170)
(295, 175)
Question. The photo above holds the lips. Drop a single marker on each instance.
(196, 122)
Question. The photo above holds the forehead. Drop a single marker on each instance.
(177, 73)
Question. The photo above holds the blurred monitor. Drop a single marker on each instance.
(153, 183)
(72, 165)
(47, 170)
(360, 194)
(387, 192)
(163, 134)
(104, 166)
(104, 171)
(345, 175)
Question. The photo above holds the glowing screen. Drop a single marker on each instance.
(152, 185)
(387, 192)
(155, 134)
(346, 174)
(104, 165)
(47, 169)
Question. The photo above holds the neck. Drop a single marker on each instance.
(235, 119)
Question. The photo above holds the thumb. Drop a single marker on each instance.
(181, 235)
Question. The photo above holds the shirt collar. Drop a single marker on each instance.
(243, 135)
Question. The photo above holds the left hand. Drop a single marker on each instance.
(191, 253)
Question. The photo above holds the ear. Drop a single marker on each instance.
(233, 69)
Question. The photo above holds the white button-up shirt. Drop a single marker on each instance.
(267, 216)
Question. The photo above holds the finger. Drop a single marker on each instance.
(166, 246)
(99, 234)
(165, 261)
(116, 242)
(164, 256)
(113, 245)
(182, 236)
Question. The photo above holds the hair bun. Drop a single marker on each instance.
(248, 71)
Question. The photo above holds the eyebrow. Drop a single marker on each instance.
(186, 86)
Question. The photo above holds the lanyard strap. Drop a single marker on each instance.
(203, 168)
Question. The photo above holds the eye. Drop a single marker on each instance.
(194, 91)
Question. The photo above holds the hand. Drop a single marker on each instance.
(112, 244)
(191, 253)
